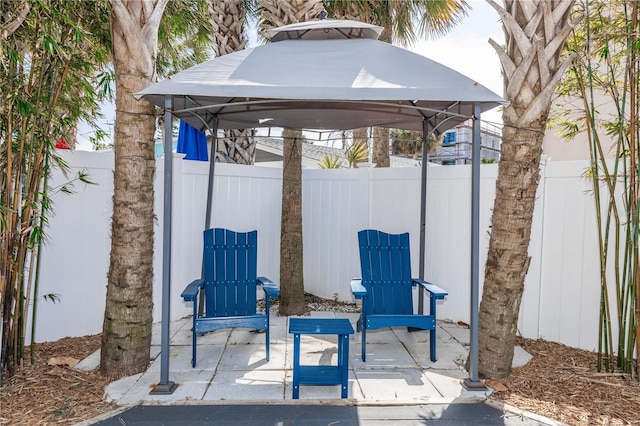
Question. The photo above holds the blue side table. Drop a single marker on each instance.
(321, 374)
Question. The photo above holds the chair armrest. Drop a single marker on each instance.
(269, 287)
(190, 292)
(357, 288)
(436, 292)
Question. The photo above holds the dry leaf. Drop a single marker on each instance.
(56, 371)
(497, 385)
(63, 360)
(463, 324)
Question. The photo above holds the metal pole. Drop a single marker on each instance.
(212, 168)
(423, 212)
(209, 208)
(166, 387)
(472, 382)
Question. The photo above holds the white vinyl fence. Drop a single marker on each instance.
(562, 288)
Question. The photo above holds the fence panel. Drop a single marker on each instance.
(570, 280)
(75, 254)
(334, 209)
(562, 288)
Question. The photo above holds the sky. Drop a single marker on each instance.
(465, 49)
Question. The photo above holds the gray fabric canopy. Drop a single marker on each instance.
(326, 74)
(335, 84)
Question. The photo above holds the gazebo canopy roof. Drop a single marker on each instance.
(305, 82)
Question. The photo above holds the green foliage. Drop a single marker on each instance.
(51, 297)
(409, 144)
(47, 66)
(607, 67)
(356, 152)
(330, 162)
(407, 20)
(184, 36)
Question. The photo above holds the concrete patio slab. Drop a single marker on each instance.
(192, 385)
(232, 366)
(382, 355)
(116, 390)
(233, 383)
(447, 384)
(208, 357)
(409, 385)
(450, 355)
(238, 385)
(240, 357)
(183, 336)
(156, 332)
(460, 332)
(381, 335)
(520, 357)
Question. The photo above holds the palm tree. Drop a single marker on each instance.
(228, 20)
(126, 331)
(409, 143)
(398, 17)
(135, 30)
(274, 14)
(532, 66)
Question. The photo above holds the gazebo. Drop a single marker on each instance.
(325, 74)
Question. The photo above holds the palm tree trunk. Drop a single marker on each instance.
(126, 332)
(239, 145)
(532, 69)
(291, 253)
(274, 14)
(360, 136)
(380, 152)
(228, 19)
(508, 259)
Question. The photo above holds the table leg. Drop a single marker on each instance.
(296, 366)
(343, 362)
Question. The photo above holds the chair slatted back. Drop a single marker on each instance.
(385, 263)
(230, 272)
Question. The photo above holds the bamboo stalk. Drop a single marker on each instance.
(626, 251)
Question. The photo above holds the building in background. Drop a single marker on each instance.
(456, 145)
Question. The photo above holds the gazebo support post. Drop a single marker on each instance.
(423, 211)
(207, 220)
(212, 168)
(472, 382)
(166, 387)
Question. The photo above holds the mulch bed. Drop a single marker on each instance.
(563, 384)
(42, 394)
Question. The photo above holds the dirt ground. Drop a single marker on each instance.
(560, 383)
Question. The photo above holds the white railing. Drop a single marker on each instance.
(562, 287)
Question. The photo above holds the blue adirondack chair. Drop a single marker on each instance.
(386, 287)
(230, 285)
